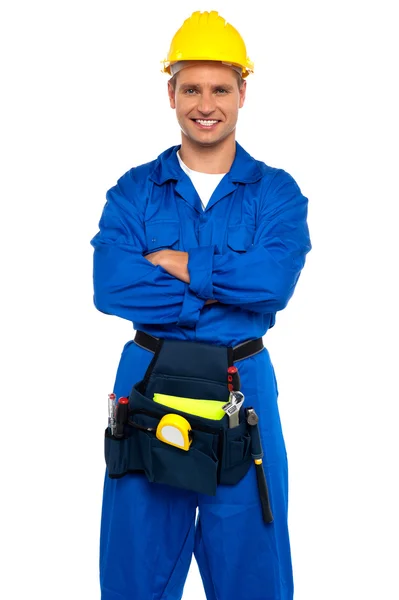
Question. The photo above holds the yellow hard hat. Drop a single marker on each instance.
(207, 36)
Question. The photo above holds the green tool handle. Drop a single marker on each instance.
(263, 493)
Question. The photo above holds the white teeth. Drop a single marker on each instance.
(205, 123)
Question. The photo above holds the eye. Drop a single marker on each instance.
(190, 91)
(221, 91)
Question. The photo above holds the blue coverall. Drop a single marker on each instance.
(246, 250)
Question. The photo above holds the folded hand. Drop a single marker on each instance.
(175, 263)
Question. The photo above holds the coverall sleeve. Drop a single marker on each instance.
(125, 283)
(262, 279)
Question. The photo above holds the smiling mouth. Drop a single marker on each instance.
(205, 123)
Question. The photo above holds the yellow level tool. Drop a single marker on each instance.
(208, 409)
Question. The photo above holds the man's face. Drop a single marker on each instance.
(207, 98)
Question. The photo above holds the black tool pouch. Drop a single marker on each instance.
(217, 454)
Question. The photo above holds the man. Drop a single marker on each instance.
(203, 244)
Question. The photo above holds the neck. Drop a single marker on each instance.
(208, 159)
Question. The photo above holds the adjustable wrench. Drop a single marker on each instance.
(232, 408)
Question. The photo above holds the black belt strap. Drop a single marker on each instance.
(244, 350)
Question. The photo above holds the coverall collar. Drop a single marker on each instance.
(244, 169)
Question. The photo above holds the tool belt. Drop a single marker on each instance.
(218, 453)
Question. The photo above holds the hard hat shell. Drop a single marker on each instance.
(207, 36)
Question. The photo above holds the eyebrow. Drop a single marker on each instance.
(195, 86)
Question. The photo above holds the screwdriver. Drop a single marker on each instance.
(122, 413)
(111, 412)
(233, 379)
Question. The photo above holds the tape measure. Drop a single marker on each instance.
(175, 430)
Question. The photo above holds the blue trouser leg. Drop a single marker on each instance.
(238, 555)
(147, 539)
(147, 529)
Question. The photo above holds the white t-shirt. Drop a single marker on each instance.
(204, 183)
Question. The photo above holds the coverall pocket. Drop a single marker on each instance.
(240, 237)
(162, 234)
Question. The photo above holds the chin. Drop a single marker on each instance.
(207, 140)
(205, 143)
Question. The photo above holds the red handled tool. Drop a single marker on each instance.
(233, 379)
(236, 398)
(122, 413)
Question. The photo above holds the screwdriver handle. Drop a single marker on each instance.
(233, 379)
(122, 413)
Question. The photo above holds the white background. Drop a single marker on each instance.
(83, 100)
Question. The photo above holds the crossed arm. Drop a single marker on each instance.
(170, 286)
(175, 263)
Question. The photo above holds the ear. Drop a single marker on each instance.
(243, 91)
(171, 94)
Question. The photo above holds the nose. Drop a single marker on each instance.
(207, 103)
